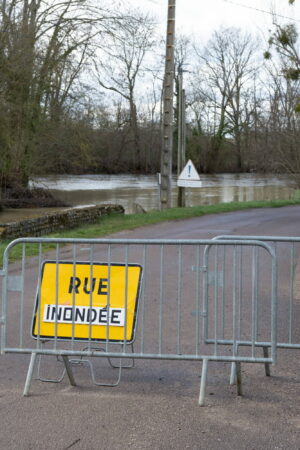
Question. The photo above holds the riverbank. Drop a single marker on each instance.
(58, 221)
(35, 197)
(114, 223)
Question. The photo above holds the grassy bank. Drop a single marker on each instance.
(114, 223)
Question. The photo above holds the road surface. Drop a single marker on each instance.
(155, 406)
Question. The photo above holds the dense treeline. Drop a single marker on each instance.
(80, 91)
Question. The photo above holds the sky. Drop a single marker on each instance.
(200, 18)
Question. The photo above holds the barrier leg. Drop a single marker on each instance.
(69, 370)
(232, 374)
(29, 374)
(239, 378)
(267, 365)
(233, 367)
(203, 382)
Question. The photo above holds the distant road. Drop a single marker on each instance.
(283, 221)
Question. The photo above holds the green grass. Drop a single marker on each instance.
(116, 222)
(297, 194)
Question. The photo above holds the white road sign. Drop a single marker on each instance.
(189, 176)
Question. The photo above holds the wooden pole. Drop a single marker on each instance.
(167, 120)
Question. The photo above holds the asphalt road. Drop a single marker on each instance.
(155, 406)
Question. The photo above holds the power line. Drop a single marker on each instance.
(155, 2)
(261, 10)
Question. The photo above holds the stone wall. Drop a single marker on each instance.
(66, 219)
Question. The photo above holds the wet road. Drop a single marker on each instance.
(155, 406)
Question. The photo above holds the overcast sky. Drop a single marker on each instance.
(201, 17)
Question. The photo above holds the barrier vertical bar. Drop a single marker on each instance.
(205, 292)
(39, 293)
(240, 312)
(91, 294)
(257, 291)
(161, 297)
(216, 303)
(179, 280)
(274, 309)
(73, 294)
(4, 302)
(143, 297)
(254, 301)
(233, 373)
(223, 292)
(292, 286)
(234, 288)
(198, 298)
(108, 295)
(56, 294)
(22, 295)
(126, 298)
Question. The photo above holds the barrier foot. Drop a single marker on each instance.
(29, 374)
(203, 382)
(69, 370)
(48, 380)
(88, 363)
(239, 378)
(96, 383)
(267, 365)
(129, 366)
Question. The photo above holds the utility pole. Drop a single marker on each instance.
(167, 119)
(181, 135)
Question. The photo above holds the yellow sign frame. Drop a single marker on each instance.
(83, 301)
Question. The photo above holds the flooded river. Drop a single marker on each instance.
(129, 190)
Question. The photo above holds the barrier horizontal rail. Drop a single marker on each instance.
(137, 299)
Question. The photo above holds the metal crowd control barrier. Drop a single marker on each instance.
(287, 251)
(76, 299)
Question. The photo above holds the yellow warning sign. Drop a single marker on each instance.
(87, 301)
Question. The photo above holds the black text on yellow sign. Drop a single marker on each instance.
(83, 301)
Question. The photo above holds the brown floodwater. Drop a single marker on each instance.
(129, 190)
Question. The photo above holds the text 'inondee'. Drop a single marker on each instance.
(84, 315)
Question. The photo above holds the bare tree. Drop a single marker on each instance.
(120, 63)
(282, 122)
(43, 46)
(226, 67)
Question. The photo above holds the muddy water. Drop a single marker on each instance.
(128, 190)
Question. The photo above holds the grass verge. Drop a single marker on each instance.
(116, 222)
